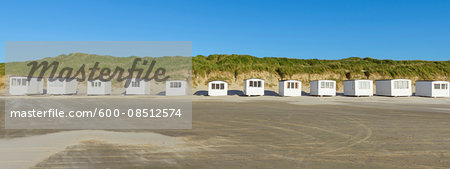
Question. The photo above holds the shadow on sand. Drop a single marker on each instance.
(270, 93)
(229, 93)
(201, 93)
(241, 93)
(235, 92)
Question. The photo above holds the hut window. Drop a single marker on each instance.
(218, 86)
(175, 84)
(437, 86)
(19, 82)
(135, 84)
(444, 86)
(292, 85)
(401, 85)
(255, 84)
(364, 85)
(96, 84)
(326, 85)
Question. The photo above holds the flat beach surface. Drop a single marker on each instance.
(254, 132)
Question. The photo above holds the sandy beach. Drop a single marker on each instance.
(255, 132)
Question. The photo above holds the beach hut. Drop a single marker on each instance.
(20, 85)
(176, 88)
(138, 87)
(98, 87)
(323, 88)
(61, 86)
(217, 88)
(393, 87)
(358, 88)
(290, 88)
(253, 87)
(432, 88)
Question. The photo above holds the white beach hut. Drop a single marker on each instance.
(138, 87)
(432, 88)
(217, 88)
(176, 88)
(358, 88)
(20, 85)
(323, 88)
(61, 86)
(98, 87)
(290, 88)
(394, 87)
(254, 87)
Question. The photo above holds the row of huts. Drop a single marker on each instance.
(60, 86)
(252, 87)
(391, 87)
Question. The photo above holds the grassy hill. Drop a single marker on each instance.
(235, 68)
(2, 75)
(284, 67)
(75, 60)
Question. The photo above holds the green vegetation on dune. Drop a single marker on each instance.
(224, 67)
(2, 69)
(2, 73)
(285, 67)
(76, 60)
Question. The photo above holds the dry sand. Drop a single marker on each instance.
(256, 132)
(24, 152)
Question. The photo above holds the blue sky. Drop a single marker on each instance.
(41, 49)
(321, 29)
